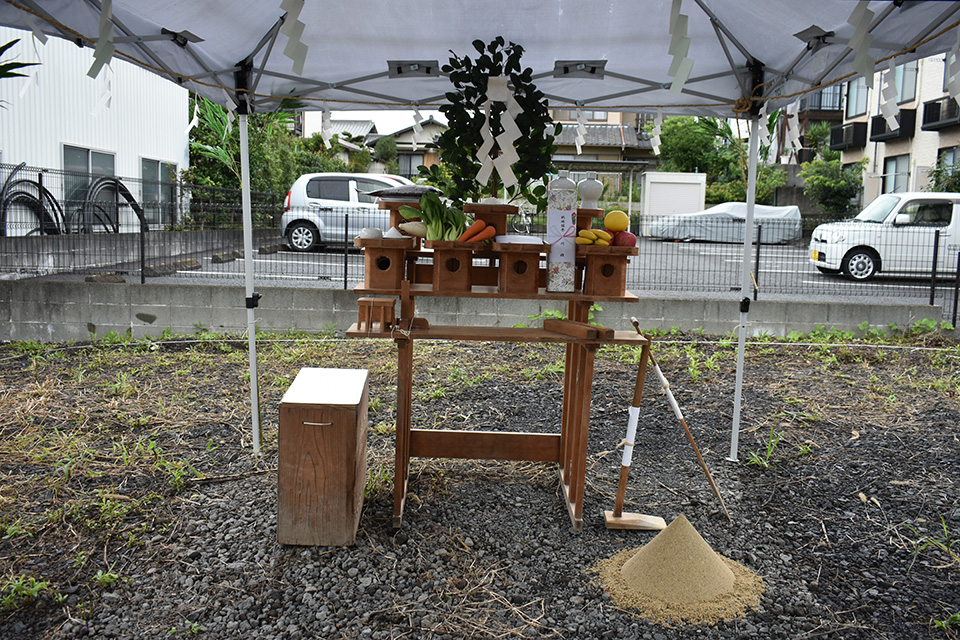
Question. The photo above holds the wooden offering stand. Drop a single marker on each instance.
(568, 448)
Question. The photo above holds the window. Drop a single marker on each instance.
(409, 163)
(929, 213)
(329, 189)
(571, 114)
(896, 172)
(365, 186)
(80, 167)
(948, 156)
(905, 78)
(159, 190)
(856, 98)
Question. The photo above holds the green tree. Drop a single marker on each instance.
(944, 176)
(687, 147)
(831, 185)
(10, 69)
(817, 138)
(385, 152)
(277, 157)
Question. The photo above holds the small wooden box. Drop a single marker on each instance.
(452, 265)
(519, 266)
(322, 461)
(606, 271)
(383, 261)
(494, 215)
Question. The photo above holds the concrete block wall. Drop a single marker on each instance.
(63, 311)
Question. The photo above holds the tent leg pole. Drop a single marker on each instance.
(252, 296)
(745, 284)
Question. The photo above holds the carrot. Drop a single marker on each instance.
(487, 233)
(472, 230)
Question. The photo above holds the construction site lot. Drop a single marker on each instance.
(133, 506)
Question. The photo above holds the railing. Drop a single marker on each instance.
(678, 256)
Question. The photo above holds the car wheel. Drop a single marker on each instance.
(861, 264)
(302, 236)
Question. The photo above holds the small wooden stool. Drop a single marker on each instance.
(381, 311)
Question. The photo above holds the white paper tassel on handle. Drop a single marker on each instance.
(634, 415)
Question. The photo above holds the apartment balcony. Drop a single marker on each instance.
(940, 114)
(908, 126)
(852, 135)
(826, 104)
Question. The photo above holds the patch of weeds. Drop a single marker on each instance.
(17, 591)
(764, 459)
(385, 428)
(378, 479)
(947, 546)
(553, 314)
(121, 386)
(458, 376)
(15, 530)
(948, 623)
(108, 578)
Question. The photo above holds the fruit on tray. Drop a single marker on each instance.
(594, 236)
(616, 221)
(624, 239)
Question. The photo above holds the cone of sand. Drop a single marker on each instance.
(678, 566)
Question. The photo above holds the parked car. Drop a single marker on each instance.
(894, 234)
(317, 203)
(725, 223)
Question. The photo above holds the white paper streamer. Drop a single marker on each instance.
(861, 41)
(231, 107)
(952, 71)
(655, 132)
(106, 96)
(634, 415)
(793, 127)
(681, 65)
(499, 91)
(296, 50)
(764, 134)
(888, 96)
(32, 24)
(581, 136)
(417, 129)
(195, 120)
(104, 49)
(326, 126)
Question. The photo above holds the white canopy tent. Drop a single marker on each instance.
(701, 57)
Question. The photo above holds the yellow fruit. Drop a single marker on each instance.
(616, 221)
(602, 243)
(602, 235)
(582, 240)
(589, 234)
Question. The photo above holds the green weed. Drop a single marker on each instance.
(17, 590)
(764, 460)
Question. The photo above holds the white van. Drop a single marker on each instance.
(317, 205)
(894, 234)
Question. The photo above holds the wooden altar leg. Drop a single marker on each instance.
(404, 405)
(578, 381)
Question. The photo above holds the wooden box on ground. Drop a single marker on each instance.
(322, 463)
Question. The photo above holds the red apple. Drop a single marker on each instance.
(624, 239)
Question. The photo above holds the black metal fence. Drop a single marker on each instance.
(202, 241)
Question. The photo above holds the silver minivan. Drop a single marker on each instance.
(318, 205)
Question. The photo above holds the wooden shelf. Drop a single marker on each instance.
(499, 334)
(486, 291)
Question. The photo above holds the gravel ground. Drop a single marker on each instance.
(852, 527)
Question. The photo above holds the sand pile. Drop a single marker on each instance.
(677, 577)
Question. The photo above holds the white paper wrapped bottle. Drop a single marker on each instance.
(590, 190)
(561, 231)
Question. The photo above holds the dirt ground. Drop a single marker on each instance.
(845, 499)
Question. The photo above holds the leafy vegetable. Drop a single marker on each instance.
(443, 222)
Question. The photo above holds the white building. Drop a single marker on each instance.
(128, 122)
(929, 127)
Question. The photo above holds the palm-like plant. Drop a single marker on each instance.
(10, 69)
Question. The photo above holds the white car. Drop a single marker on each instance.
(317, 205)
(898, 233)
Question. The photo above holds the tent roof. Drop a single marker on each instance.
(375, 54)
